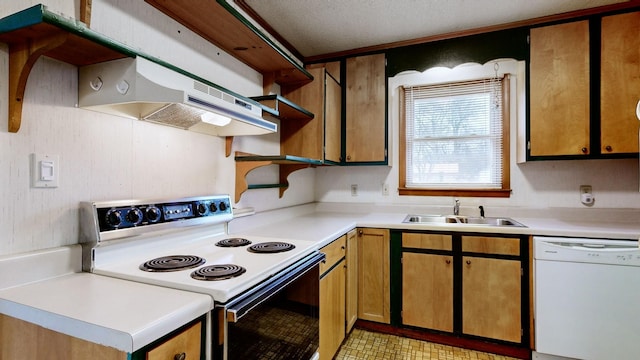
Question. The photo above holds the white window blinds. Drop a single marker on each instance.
(454, 135)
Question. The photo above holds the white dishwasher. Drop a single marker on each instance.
(587, 298)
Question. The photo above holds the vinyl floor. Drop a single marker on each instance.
(363, 344)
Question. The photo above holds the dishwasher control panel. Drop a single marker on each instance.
(597, 251)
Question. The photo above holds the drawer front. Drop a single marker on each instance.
(491, 245)
(186, 342)
(335, 252)
(426, 241)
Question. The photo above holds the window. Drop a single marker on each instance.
(456, 139)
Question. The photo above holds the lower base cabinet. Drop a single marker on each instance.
(26, 341)
(374, 275)
(462, 284)
(333, 276)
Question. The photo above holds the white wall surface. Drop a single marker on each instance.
(104, 157)
(538, 184)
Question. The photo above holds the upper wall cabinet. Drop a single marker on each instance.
(584, 84)
(559, 90)
(620, 83)
(319, 138)
(366, 110)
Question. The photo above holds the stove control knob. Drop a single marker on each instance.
(134, 216)
(202, 209)
(212, 207)
(113, 218)
(153, 214)
(222, 206)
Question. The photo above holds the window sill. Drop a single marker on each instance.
(504, 193)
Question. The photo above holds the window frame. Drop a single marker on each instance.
(503, 192)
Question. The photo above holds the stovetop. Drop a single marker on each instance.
(124, 262)
(183, 227)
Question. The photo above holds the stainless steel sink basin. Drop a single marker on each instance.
(455, 219)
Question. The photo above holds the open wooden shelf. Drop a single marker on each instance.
(35, 32)
(287, 165)
(284, 108)
(221, 24)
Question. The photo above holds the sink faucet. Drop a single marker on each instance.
(456, 207)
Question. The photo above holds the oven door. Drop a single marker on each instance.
(278, 320)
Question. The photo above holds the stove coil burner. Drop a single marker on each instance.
(271, 247)
(218, 272)
(233, 242)
(172, 263)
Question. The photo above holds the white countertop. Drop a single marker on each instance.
(107, 311)
(325, 226)
(127, 315)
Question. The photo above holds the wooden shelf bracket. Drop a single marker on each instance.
(22, 57)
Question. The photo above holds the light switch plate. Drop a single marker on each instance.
(45, 170)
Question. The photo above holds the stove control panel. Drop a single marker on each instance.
(123, 215)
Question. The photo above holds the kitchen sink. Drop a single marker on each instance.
(456, 219)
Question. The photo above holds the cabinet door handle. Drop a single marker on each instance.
(448, 261)
(342, 247)
(181, 356)
(608, 148)
(468, 262)
(348, 157)
(584, 150)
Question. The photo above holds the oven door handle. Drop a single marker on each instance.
(237, 310)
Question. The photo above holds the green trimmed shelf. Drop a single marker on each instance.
(283, 108)
(287, 165)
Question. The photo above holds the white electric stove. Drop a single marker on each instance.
(184, 244)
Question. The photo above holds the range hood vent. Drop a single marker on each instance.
(141, 89)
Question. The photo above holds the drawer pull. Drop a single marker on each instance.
(468, 262)
(448, 261)
(181, 356)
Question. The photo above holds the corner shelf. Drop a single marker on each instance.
(287, 163)
(221, 24)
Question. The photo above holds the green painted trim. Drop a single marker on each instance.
(267, 186)
(280, 99)
(280, 159)
(481, 48)
(396, 277)
(264, 38)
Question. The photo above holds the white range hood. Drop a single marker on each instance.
(142, 89)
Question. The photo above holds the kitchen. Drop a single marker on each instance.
(106, 157)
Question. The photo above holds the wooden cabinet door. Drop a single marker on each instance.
(373, 275)
(187, 343)
(620, 83)
(559, 90)
(352, 280)
(305, 138)
(491, 298)
(332, 311)
(427, 291)
(365, 103)
(26, 341)
(333, 120)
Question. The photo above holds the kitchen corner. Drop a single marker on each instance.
(116, 314)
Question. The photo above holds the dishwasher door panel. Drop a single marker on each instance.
(587, 311)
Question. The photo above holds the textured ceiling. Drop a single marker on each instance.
(318, 27)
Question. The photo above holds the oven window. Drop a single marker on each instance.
(283, 327)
